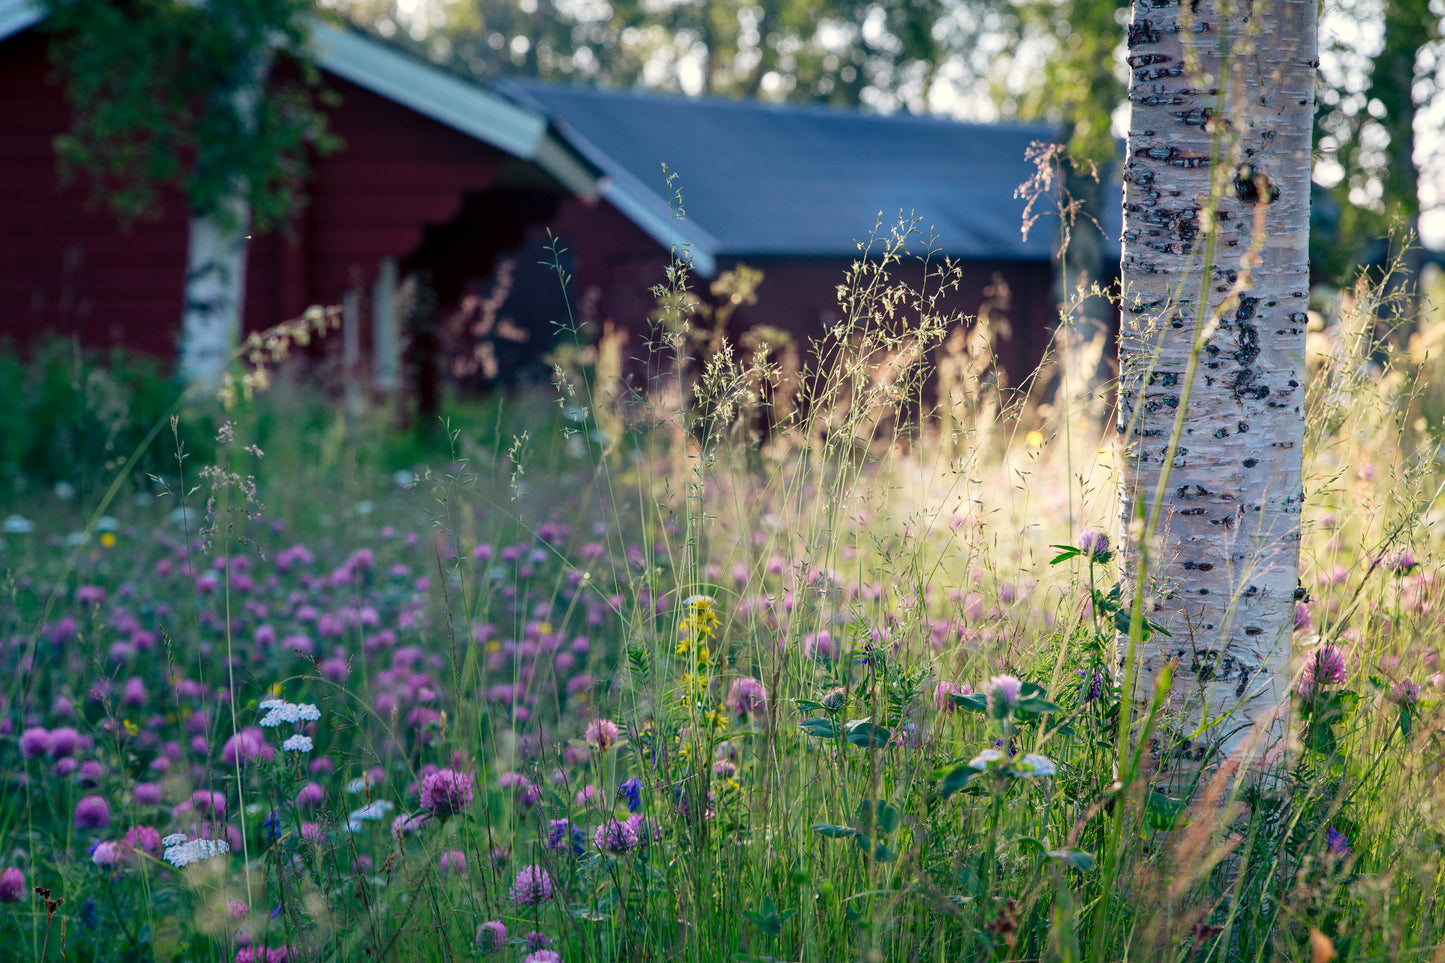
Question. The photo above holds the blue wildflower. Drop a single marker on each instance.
(631, 791)
(1336, 842)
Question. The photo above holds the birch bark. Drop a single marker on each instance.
(1212, 359)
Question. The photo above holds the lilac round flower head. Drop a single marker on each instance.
(1406, 692)
(537, 941)
(447, 792)
(1324, 665)
(92, 812)
(106, 854)
(209, 803)
(453, 861)
(147, 793)
(533, 886)
(602, 734)
(34, 742)
(1094, 543)
(12, 885)
(615, 836)
(543, 956)
(491, 936)
(237, 910)
(1302, 619)
(1003, 695)
(64, 742)
(944, 692)
(747, 695)
(407, 824)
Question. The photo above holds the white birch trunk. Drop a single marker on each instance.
(1222, 569)
(216, 256)
(215, 288)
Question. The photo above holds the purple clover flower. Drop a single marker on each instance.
(532, 887)
(447, 792)
(491, 936)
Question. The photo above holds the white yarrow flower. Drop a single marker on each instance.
(195, 851)
(174, 839)
(1034, 764)
(297, 743)
(982, 760)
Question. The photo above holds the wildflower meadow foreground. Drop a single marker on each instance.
(612, 681)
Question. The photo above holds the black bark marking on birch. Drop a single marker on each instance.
(1143, 32)
(1251, 462)
(1198, 566)
(1251, 185)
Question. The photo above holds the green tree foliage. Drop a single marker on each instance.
(882, 53)
(1365, 126)
(152, 87)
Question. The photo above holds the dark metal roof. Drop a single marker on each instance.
(784, 180)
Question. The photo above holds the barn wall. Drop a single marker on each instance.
(615, 265)
(65, 266)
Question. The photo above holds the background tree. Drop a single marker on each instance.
(1372, 104)
(1212, 363)
(169, 95)
(885, 54)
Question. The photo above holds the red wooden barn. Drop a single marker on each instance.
(441, 175)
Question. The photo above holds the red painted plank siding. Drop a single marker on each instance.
(68, 268)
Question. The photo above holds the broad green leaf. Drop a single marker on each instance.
(956, 778)
(1076, 858)
(834, 832)
(867, 735)
(819, 728)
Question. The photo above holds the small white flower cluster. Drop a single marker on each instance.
(279, 711)
(180, 853)
(1032, 764)
(297, 743)
(374, 811)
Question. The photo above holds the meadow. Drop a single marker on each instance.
(770, 654)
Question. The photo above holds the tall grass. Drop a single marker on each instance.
(748, 626)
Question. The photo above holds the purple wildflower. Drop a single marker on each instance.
(453, 861)
(543, 956)
(1003, 695)
(447, 792)
(34, 742)
(491, 936)
(12, 884)
(602, 733)
(615, 836)
(747, 695)
(92, 812)
(1324, 665)
(533, 886)
(1094, 543)
(1336, 842)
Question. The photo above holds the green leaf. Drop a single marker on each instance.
(956, 778)
(867, 735)
(880, 852)
(834, 832)
(819, 728)
(974, 702)
(1037, 706)
(879, 814)
(1066, 552)
(808, 705)
(1165, 813)
(1031, 846)
(1076, 858)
